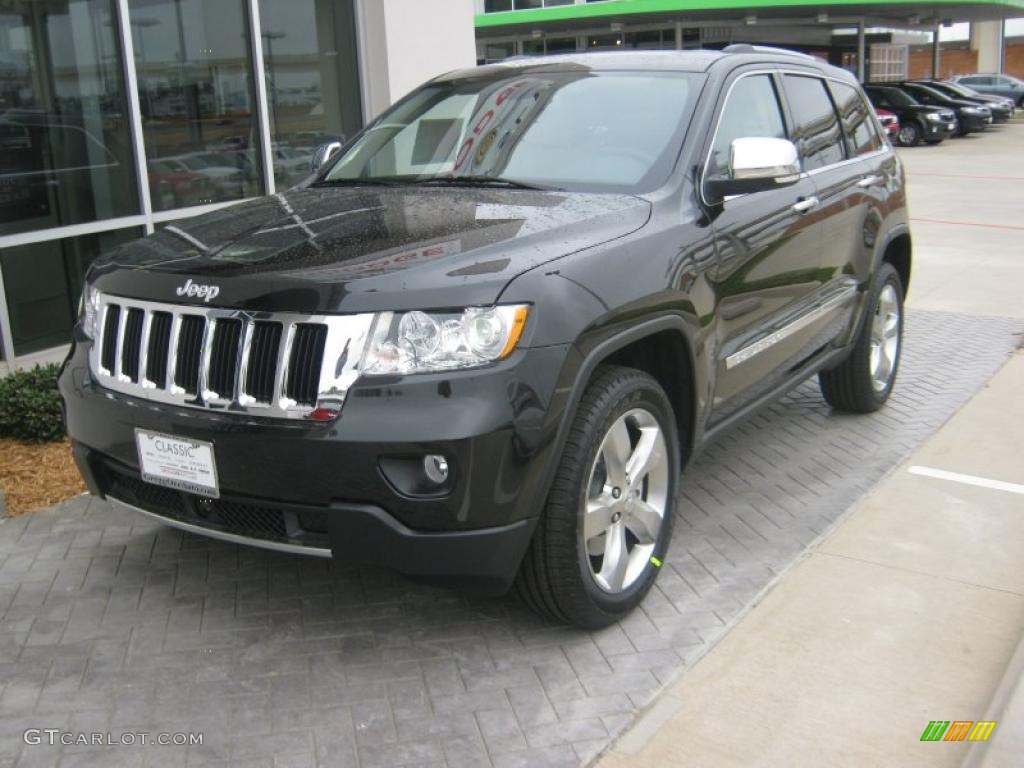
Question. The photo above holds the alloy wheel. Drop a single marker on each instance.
(626, 500)
(885, 337)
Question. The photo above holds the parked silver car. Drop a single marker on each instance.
(999, 85)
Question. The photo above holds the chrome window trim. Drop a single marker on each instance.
(885, 149)
(347, 337)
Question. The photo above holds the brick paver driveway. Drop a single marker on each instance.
(112, 623)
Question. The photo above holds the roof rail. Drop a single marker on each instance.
(749, 48)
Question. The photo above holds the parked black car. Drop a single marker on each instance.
(971, 116)
(1002, 108)
(480, 344)
(918, 122)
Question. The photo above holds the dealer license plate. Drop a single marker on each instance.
(185, 465)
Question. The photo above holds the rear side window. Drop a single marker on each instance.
(861, 136)
(816, 131)
(751, 111)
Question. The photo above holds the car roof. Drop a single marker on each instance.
(650, 61)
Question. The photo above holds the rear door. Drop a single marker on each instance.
(767, 243)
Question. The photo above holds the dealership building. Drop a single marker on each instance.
(118, 117)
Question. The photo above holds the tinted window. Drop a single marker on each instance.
(195, 92)
(65, 154)
(816, 131)
(858, 125)
(607, 132)
(752, 111)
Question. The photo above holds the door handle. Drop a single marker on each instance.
(869, 181)
(807, 204)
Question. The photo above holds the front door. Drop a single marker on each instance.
(768, 243)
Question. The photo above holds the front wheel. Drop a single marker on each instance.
(863, 382)
(909, 135)
(608, 517)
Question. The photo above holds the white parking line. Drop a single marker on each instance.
(956, 477)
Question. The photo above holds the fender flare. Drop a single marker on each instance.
(600, 352)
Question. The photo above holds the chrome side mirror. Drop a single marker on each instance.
(322, 154)
(757, 164)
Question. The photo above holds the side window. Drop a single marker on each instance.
(752, 110)
(817, 131)
(861, 135)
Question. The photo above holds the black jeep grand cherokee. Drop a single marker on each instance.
(481, 342)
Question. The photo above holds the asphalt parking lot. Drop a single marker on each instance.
(112, 623)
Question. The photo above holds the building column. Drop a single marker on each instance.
(403, 43)
(936, 54)
(987, 40)
(861, 54)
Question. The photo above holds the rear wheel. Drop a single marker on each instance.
(864, 381)
(608, 517)
(909, 135)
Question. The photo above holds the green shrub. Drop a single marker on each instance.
(30, 406)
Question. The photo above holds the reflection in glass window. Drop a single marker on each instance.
(311, 65)
(536, 128)
(817, 127)
(196, 96)
(65, 153)
(752, 111)
(43, 282)
(858, 125)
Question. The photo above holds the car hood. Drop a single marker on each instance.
(353, 249)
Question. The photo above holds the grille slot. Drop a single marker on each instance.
(108, 356)
(259, 377)
(190, 351)
(159, 348)
(224, 358)
(307, 356)
(131, 346)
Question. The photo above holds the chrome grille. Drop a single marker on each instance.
(271, 364)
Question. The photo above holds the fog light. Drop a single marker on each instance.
(435, 467)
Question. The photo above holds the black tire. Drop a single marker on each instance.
(909, 135)
(851, 385)
(556, 578)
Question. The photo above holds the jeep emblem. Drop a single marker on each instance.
(204, 292)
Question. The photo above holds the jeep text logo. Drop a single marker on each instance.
(204, 292)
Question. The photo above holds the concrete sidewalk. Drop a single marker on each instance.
(910, 611)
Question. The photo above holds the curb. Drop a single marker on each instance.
(1010, 687)
(3, 506)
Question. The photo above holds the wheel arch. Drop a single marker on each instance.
(660, 347)
(897, 250)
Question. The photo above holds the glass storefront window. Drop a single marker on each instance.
(65, 152)
(196, 94)
(43, 282)
(311, 65)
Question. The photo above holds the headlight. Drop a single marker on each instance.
(971, 110)
(421, 342)
(933, 116)
(88, 310)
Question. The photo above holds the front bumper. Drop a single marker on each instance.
(332, 488)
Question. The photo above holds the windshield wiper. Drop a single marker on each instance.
(378, 181)
(482, 181)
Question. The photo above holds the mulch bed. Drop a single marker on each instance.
(36, 475)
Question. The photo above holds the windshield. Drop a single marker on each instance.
(578, 130)
(898, 98)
